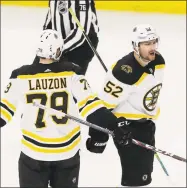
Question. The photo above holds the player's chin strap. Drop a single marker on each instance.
(144, 61)
(136, 142)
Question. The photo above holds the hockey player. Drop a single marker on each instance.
(50, 143)
(131, 90)
(76, 48)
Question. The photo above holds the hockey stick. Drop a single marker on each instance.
(161, 163)
(103, 64)
(141, 144)
(164, 169)
(87, 38)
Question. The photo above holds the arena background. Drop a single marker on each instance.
(171, 7)
(21, 23)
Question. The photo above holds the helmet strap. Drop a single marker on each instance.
(142, 61)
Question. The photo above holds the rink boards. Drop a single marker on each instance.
(169, 7)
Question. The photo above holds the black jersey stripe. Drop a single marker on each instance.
(52, 145)
(89, 102)
(6, 108)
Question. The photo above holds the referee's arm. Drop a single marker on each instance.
(76, 38)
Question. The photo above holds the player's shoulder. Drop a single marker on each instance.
(127, 70)
(19, 71)
(57, 67)
(70, 67)
(159, 60)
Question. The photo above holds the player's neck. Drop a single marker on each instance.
(140, 60)
(46, 61)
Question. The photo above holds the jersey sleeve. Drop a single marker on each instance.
(90, 106)
(87, 101)
(114, 91)
(9, 100)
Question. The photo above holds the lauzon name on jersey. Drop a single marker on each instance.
(49, 83)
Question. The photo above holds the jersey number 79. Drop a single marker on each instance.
(40, 123)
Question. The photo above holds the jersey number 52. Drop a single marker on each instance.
(63, 96)
(113, 89)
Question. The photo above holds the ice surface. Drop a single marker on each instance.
(19, 31)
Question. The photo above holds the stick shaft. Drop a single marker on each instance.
(87, 38)
(141, 144)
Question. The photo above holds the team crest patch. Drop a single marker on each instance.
(126, 68)
(62, 7)
(151, 98)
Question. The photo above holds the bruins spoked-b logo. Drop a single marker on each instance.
(126, 68)
(151, 98)
(62, 7)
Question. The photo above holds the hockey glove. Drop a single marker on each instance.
(95, 146)
(97, 142)
(122, 133)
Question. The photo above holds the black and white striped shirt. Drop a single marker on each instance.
(60, 19)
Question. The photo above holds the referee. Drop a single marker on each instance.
(76, 48)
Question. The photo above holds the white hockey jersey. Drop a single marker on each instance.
(49, 137)
(132, 91)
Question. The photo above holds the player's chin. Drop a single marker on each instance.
(151, 57)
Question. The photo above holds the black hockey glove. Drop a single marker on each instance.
(97, 142)
(122, 133)
(95, 146)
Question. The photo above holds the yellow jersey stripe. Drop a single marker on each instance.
(9, 105)
(6, 115)
(159, 66)
(42, 139)
(90, 107)
(141, 78)
(109, 105)
(45, 150)
(137, 116)
(83, 102)
(43, 75)
(113, 65)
